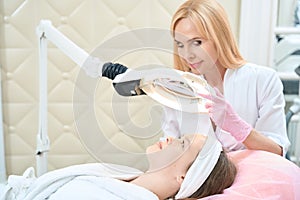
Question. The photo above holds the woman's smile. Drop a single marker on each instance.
(195, 65)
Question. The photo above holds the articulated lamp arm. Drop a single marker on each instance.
(92, 65)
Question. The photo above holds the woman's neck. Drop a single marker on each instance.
(216, 80)
(154, 183)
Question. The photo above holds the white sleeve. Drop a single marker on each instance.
(271, 117)
(256, 94)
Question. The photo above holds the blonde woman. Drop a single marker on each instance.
(248, 107)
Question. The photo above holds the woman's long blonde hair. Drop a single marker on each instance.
(211, 20)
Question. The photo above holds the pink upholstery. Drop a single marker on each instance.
(262, 175)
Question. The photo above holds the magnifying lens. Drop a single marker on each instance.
(173, 88)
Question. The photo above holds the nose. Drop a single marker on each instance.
(169, 140)
(188, 55)
(191, 56)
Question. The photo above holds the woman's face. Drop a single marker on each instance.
(175, 152)
(200, 54)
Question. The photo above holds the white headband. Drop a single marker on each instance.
(201, 167)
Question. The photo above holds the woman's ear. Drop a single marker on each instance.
(180, 178)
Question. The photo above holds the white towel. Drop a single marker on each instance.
(18, 185)
(100, 178)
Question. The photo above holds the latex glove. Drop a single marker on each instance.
(93, 67)
(224, 116)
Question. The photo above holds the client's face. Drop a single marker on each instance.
(172, 151)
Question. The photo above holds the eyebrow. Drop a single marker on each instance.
(189, 40)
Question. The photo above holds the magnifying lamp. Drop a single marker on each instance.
(173, 88)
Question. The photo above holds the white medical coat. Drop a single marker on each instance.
(255, 93)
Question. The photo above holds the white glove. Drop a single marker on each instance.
(93, 67)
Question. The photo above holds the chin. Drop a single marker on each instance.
(195, 71)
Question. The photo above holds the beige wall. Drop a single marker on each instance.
(87, 23)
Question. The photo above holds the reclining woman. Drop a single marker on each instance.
(191, 166)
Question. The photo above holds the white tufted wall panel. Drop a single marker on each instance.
(88, 23)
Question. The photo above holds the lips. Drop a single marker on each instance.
(195, 65)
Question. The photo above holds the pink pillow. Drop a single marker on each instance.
(262, 175)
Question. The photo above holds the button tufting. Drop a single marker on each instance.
(11, 128)
(6, 19)
(121, 20)
(9, 75)
(65, 75)
(63, 19)
(66, 128)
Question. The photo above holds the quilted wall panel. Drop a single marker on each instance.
(88, 23)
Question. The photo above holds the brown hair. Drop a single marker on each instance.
(211, 21)
(220, 178)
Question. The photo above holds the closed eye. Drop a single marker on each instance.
(182, 143)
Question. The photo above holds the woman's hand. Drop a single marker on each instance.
(223, 115)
